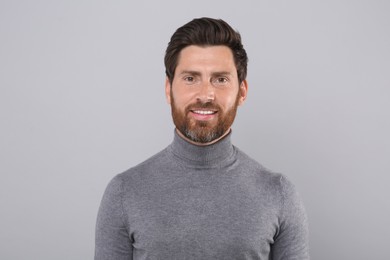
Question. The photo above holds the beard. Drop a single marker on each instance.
(203, 131)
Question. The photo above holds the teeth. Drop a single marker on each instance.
(203, 112)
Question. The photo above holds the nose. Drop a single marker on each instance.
(206, 92)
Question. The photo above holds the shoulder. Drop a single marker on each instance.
(143, 174)
(253, 167)
(271, 182)
(151, 163)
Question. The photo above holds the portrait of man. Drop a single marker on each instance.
(195, 130)
(202, 197)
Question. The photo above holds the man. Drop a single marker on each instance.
(201, 197)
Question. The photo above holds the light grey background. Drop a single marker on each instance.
(82, 99)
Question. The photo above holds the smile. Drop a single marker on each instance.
(204, 112)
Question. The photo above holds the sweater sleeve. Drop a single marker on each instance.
(291, 240)
(112, 240)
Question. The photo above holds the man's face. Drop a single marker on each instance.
(205, 93)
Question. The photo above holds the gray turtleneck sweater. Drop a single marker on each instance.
(201, 202)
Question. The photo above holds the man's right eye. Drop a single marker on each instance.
(189, 79)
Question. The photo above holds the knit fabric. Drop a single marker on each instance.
(201, 202)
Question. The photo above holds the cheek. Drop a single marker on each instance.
(228, 100)
(183, 98)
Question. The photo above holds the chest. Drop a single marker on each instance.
(203, 218)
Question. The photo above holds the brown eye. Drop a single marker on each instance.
(222, 80)
(189, 79)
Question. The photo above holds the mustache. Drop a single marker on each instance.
(203, 105)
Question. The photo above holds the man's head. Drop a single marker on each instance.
(206, 69)
(205, 32)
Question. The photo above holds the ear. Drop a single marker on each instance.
(168, 90)
(243, 92)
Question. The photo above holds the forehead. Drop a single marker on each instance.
(206, 57)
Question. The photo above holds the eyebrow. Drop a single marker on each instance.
(190, 72)
(197, 73)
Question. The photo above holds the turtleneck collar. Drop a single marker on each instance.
(213, 155)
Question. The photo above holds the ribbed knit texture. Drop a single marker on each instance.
(201, 202)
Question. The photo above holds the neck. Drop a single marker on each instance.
(215, 154)
(202, 144)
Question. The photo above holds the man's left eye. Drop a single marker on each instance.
(221, 80)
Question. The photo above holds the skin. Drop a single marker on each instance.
(205, 75)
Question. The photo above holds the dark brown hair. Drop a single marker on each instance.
(205, 32)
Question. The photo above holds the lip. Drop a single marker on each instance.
(203, 114)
